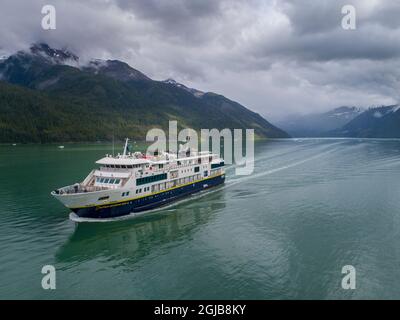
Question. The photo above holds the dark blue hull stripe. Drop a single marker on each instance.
(147, 203)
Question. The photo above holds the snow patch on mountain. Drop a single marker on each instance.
(195, 92)
(55, 56)
(377, 114)
(383, 111)
(395, 109)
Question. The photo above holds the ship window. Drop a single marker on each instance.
(101, 180)
(154, 178)
(127, 194)
(117, 181)
(217, 165)
(104, 198)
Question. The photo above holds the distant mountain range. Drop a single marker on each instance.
(47, 96)
(374, 122)
(377, 122)
(319, 124)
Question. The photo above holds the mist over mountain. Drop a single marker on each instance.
(47, 95)
(320, 124)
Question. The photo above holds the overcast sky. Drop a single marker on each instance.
(275, 57)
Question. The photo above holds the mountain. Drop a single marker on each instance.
(115, 69)
(55, 56)
(46, 95)
(195, 92)
(378, 122)
(320, 124)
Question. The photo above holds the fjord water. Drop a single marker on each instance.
(311, 207)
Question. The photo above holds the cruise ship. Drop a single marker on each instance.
(134, 182)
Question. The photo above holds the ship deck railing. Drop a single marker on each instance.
(80, 189)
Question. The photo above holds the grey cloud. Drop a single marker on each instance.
(273, 56)
(183, 20)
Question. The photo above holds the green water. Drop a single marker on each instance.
(285, 232)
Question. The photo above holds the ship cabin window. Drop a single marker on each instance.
(178, 163)
(161, 166)
(199, 161)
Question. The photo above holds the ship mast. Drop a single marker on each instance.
(126, 147)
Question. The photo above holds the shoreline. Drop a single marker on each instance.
(148, 142)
